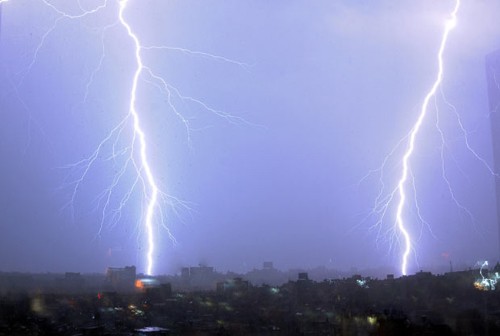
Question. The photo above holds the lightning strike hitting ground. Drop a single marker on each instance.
(402, 226)
(152, 198)
(397, 197)
(131, 158)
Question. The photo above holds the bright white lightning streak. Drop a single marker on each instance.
(135, 152)
(138, 132)
(144, 168)
(450, 24)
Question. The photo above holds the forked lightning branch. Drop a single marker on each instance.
(134, 156)
(403, 194)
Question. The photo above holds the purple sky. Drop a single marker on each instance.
(329, 89)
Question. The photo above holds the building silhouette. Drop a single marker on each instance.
(493, 78)
(121, 278)
(267, 265)
(199, 277)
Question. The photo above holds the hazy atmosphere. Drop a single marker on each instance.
(266, 123)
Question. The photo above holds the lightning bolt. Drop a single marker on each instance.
(152, 199)
(133, 156)
(395, 197)
(402, 226)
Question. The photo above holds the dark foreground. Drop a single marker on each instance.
(422, 304)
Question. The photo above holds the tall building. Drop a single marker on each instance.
(268, 265)
(199, 278)
(493, 77)
(121, 278)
